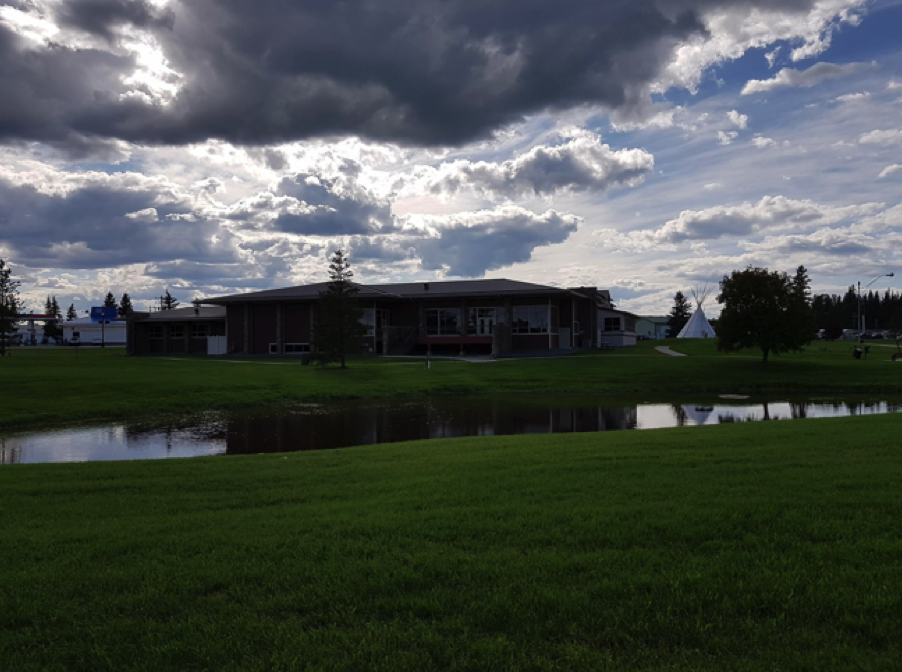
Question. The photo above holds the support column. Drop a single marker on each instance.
(463, 327)
(421, 319)
(247, 329)
(280, 337)
(165, 339)
(312, 318)
(550, 343)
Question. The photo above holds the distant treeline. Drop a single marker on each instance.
(878, 311)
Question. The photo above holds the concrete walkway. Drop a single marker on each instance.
(667, 351)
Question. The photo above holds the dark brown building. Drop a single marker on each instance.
(458, 317)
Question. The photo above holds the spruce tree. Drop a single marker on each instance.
(337, 330)
(679, 315)
(51, 327)
(71, 313)
(125, 305)
(10, 305)
(168, 302)
(110, 301)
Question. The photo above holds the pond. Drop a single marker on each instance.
(342, 424)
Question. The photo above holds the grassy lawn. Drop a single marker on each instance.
(61, 386)
(739, 547)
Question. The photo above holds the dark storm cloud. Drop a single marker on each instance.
(102, 17)
(430, 72)
(99, 226)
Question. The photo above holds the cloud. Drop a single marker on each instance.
(98, 221)
(725, 138)
(852, 97)
(834, 242)
(889, 170)
(421, 73)
(816, 74)
(469, 244)
(581, 164)
(739, 120)
(763, 143)
(889, 137)
(771, 212)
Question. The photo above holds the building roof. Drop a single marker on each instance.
(88, 322)
(189, 314)
(406, 290)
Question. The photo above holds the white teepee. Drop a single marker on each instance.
(698, 325)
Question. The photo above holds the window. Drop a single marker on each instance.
(198, 331)
(177, 331)
(156, 331)
(443, 322)
(481, 321)
(373, 320)
(530, 320)
(612, 324)
(289, 348)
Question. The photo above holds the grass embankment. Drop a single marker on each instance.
(741, 547)
(62, 386)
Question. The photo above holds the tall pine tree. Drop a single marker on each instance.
(168, 302)
(679, 314)
(337, 330)
(71, 313)
(110, 301)
(125, 305)
(10, 305)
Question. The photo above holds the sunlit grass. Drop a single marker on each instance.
(741, 547)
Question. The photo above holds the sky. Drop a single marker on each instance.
(644, 146)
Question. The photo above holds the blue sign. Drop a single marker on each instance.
(103, 314)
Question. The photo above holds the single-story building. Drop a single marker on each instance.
(198, 330)
(653, 326)
(86, 331)
(457, 317)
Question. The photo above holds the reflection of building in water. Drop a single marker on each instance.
(10, 451)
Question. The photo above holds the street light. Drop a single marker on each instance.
(860, 330)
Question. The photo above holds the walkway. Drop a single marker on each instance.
(667, 351)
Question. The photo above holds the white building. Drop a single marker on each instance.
(87, 332)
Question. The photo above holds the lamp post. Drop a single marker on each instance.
(860, 330)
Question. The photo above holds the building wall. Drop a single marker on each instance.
(263, 327)
(235, 328)
(296, 322)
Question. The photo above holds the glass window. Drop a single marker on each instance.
(198, 331)
(530, 320)
(482, 321)
(296, 348)
(443, 322)
(177, 331)
(368, 320)
(612, 324)
(156, 331)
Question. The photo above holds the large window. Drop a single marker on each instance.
(177, 331)
(612, 324)
(535, 320)
(156, 331)
(198, 331)
(443, 322)
(482, 321)
(374, 319)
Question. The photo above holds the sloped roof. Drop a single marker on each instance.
(189, 314)
(405, 290)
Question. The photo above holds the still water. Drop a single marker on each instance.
(337, 425)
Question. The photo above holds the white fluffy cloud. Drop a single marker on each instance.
(889, 137)
(583, 163)
(816, 74)
(889, 170)
(739, 120)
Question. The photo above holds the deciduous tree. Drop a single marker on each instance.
(765, 309)
(337, 330)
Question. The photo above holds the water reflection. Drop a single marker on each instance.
(315, 427)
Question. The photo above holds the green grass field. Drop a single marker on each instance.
(766, 546)
(47, 388)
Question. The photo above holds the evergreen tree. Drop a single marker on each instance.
(679, 315)
(337, 330)
(767, 310)
(168, 302)
(10, 305)
(71, 313)
(110, 301)
(51, 327)
(125, 305)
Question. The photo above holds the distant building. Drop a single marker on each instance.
(652, 326)
(87, 332)
(456, 317)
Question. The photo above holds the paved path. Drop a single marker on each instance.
(668, 351)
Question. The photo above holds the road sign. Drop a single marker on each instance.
(103, 314)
